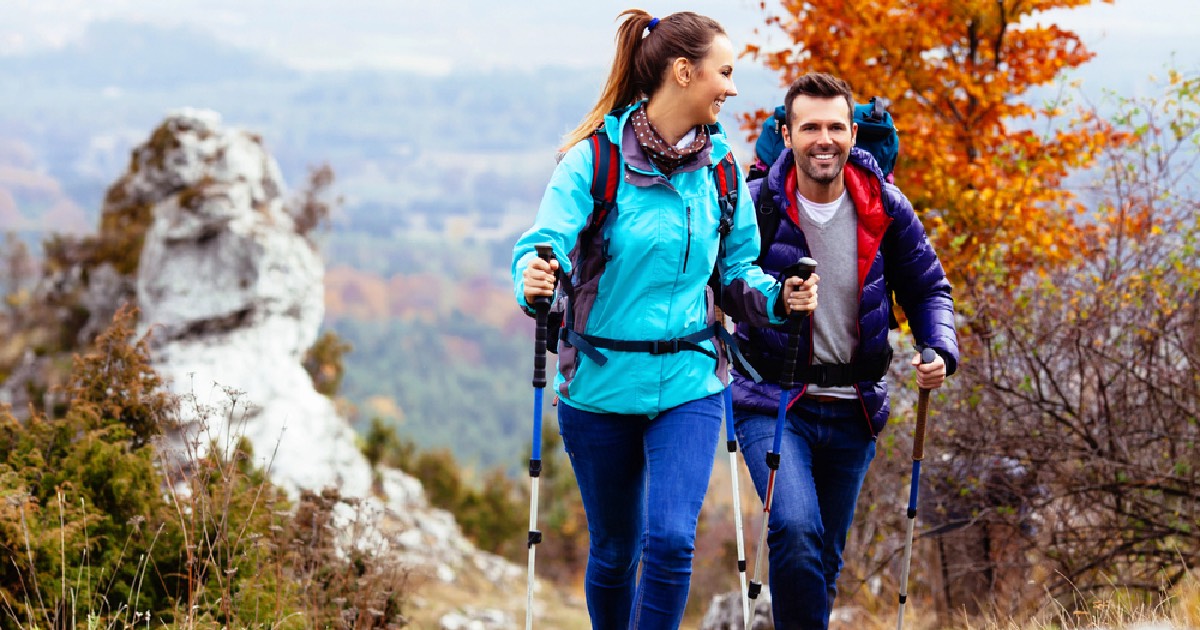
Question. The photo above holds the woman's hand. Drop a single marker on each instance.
(800, 296)
(538, 279)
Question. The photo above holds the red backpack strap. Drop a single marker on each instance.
(725, 173)
(606, 177)
(606, 171)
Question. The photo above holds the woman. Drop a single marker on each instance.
(639, 375)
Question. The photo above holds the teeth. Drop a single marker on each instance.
(824, 156)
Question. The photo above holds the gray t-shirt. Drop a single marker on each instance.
(831, 230)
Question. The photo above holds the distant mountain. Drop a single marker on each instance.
(427, 157)
(129, 55)
(416, 153)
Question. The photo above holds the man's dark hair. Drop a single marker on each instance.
(818, 85)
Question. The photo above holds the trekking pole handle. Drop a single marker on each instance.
(802, 269)
(927, 356)
(546, 253)
(541, 310)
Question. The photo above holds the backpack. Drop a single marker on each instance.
(606, 177)
(876, 134)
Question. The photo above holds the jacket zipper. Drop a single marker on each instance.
(687, 250)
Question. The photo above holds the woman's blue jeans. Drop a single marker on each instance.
(824, 457)
(643, 481)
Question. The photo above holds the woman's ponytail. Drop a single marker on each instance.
(621, 88)
(646, 46)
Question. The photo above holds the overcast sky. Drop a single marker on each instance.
(435, 36)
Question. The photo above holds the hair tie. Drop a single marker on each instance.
(653, 23)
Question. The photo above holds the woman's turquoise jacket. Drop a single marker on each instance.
(660, 245)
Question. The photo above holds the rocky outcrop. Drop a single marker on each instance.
(233, 297)
(231, 291)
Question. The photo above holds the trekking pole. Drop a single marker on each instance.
(918, 453)
(731, 446)
(802, 268)
(541, 308)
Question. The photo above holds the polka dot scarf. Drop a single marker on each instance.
(666, 157)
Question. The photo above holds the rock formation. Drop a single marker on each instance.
(233, 296)
(231, 290)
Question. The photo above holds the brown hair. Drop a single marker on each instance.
(641, 63)
(818, 85)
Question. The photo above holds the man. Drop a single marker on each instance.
(836, 208)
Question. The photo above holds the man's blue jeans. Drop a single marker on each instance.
(643, 481)
(824, 457)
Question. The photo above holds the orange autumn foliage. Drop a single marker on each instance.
(984, 168)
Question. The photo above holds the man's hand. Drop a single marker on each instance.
(930, 375)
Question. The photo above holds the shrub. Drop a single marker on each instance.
(101, 523)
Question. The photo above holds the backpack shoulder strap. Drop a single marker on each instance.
(768, 215)
(725, 178)
(606, 175)
(726, 175)
(606, 178)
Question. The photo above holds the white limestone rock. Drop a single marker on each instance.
(233, 294)
(234, 297)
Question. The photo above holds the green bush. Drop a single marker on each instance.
(97, 527)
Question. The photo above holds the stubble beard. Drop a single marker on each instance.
(815, 174)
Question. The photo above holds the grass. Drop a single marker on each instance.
(1118, 609)
(556, 606)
